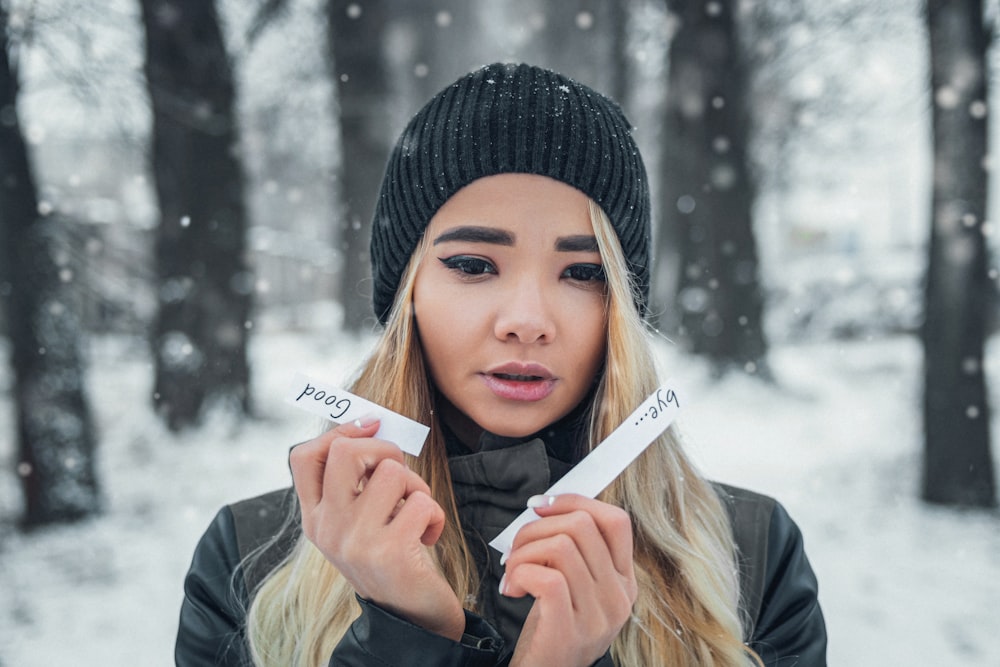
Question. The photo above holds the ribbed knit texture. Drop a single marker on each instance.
(509, 119)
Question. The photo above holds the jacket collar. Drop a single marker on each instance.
(492, 487)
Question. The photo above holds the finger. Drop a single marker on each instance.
(308, 461)
(547, 585)
(613, 523)
(557, 552)
(420, 517)
(292, 449)
(350, 463)
(576, 529)
(389, 486)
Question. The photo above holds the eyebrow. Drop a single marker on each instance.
(474, 234)
(477, 235)
(580, 243)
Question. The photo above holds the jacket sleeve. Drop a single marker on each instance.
(213, 612)
(378, 637)
(210, 632)
(790, 629)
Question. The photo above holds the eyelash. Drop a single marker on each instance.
(585, 272)
(470, 266)
(476, 266)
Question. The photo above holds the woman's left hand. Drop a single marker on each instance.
(577, 563)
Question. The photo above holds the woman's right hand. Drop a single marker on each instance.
(374, 519)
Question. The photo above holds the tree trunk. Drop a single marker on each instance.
(958, 467)
(205, 288)
(621, 70)
(357, 33)
(709, 193)
(56, 441)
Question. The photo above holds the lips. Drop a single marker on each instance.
(520, 382)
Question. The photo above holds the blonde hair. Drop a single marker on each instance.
(687, 611)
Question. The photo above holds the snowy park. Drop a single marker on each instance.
(829, 423)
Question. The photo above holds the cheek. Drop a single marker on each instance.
(596, 343)
(590, 321)
(426, 300)
(445, 309)
(446, 324)
(599, 335)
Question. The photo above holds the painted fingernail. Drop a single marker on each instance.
(535, 502)
(366, 420)
(503, 584)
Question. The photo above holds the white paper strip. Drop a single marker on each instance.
(608, 459)
(339, 405)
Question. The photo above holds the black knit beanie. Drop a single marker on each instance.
(509, 119)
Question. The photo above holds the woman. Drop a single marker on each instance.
(510, 256)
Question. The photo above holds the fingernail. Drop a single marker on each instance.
(365, 420)
(535, 502)
(503, 559)
(503, 584)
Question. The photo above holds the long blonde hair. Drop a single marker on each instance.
(687, 611)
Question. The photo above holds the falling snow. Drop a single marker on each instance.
(837, 441)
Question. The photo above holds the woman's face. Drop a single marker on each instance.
(510, 304)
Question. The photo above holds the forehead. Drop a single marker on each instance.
(525, 204)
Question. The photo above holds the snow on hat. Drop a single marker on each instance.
(507, 118)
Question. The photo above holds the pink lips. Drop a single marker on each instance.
(520, 382)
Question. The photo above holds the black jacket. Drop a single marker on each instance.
(777, 584)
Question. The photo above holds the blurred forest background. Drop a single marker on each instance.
(185, 175)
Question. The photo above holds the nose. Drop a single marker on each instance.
(524, 313)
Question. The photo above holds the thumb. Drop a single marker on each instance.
(362, 427)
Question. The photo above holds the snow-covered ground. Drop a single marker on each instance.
(837, 441)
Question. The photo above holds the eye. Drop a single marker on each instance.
(585, 272)
(472, 266)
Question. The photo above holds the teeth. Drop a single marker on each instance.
(518, 378)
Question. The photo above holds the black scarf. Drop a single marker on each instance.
(492, 487)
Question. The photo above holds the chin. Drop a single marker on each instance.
(514, 425)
